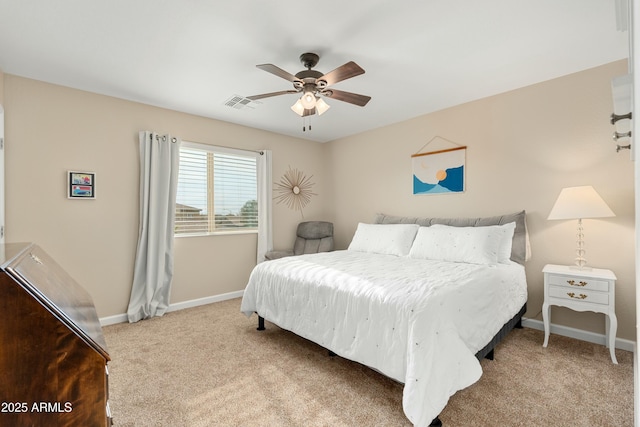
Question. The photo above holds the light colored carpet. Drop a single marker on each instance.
(208, 366)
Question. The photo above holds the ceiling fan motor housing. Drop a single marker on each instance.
(309, 60)
(308, 79)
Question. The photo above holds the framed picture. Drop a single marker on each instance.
(81, 185)
(439, 172)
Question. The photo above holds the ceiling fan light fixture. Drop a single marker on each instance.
(308, 100)
(298, 108)
(321, 106)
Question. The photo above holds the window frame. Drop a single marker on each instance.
(221, 150)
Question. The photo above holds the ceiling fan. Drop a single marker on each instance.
(314, 85)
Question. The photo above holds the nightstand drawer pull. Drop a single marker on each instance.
(585, 296)
(586, 283)
(580, 283)
(572, 295)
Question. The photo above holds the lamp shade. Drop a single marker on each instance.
(308, 100)
(321, 106)
(298, 108)
(578, 203)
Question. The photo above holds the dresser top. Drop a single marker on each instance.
(9, 251)
(45, 281)
(573, 270)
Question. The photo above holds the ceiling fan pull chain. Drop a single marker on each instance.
(304, 124)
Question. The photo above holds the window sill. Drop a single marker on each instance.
(217, 233)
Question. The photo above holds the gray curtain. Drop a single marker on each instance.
(265, 236)
(153, 270)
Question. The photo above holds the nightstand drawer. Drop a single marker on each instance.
(579, 283)
(578, 295)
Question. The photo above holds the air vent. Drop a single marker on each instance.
(240, 102)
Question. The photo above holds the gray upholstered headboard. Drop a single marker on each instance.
(519, 249)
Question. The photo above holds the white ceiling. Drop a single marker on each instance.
(193, 55)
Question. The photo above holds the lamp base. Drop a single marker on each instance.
(581, 262)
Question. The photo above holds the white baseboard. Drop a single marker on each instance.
(122, 318)
(579, 334)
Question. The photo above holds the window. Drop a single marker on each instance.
(217, 190)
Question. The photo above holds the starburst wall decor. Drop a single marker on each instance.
(294, 190)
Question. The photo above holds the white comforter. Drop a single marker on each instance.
(417, 321)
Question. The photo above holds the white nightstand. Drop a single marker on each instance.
(581, 290)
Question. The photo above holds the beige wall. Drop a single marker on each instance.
(51, 129)
(524, 146)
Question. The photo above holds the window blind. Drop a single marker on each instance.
(217, 191)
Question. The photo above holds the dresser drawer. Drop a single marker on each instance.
(582, 295)
(579, 283)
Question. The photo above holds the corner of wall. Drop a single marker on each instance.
(1, 87)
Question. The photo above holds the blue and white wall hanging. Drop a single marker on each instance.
(440, 171)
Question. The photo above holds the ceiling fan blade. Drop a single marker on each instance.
(268, 95)
(270, 68)
(343, 72)
(351, 98)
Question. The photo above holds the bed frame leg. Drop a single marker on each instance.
(331, 353)
(519, 324)
(436, 422)
(489, 355)
(261, 323)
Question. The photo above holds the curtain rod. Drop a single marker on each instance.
(261, 152)
(164, 137)
(174, 140)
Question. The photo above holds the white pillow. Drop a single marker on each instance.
(474, 245)
(506, 232)
(391, 239)
(506, 241)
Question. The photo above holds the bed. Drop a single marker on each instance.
(418, 299)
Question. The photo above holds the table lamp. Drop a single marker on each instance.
(578, 203)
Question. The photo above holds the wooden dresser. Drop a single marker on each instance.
(53, 356)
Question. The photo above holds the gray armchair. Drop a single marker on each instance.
(311, 237)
